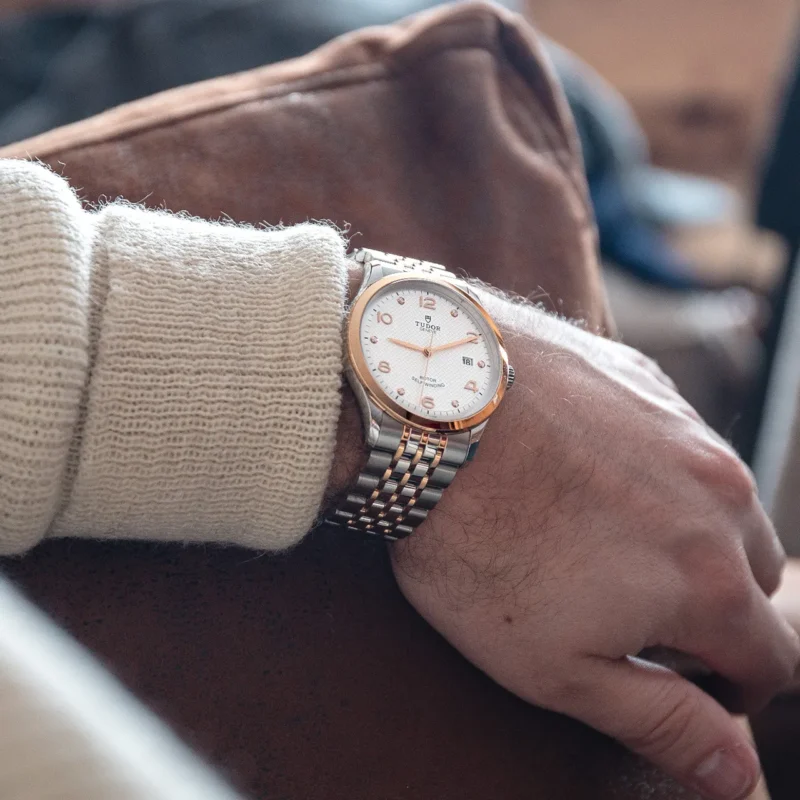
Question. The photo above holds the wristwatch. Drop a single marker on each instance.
(428, 368)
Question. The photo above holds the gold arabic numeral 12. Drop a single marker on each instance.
(427, 302)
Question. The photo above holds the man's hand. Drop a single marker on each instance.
(601, 518)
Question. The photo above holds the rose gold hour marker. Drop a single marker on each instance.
(454, 403)
(373, 339)
(454, 312)
(428, 402)
(401, 301)
(385, 368)
(401, 391)
(481, 364)
(427, 302)
(471, 386)
(384, 318)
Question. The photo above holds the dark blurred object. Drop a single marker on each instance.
(779, 197)
(28, 47)
(57, 67)
(776, 733)
(778, 210)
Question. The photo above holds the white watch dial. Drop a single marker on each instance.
(430, 350)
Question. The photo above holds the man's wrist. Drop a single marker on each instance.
(355, 275)
(349, 453)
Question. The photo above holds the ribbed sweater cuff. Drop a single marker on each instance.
(162, 377)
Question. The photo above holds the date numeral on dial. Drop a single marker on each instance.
(427, 302)
(384, 318)
(384, 367)
(471, 386)
(427, 402)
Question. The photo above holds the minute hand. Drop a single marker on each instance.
(467, 340)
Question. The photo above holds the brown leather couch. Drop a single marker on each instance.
(307, 675)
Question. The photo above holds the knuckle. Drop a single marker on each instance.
(728, 593)
(649, 365)
(720, 469)
(774, 567)
(776, 673)
(655, 369)
(669, 727)
(643, 362)
(717, 575)
(787, 660)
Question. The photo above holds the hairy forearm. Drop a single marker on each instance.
(350, 451)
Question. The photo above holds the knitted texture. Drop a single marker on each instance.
(45, 247)
(162, 377)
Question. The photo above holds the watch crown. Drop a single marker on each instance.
(512, 374)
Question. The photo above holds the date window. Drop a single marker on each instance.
(467, 361)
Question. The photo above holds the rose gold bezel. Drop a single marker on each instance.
(358, 364)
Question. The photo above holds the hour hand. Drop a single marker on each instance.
(408, 345)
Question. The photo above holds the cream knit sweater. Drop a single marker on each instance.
(160, 377)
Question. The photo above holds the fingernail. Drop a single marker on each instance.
(727, 774)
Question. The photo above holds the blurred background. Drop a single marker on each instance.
(688, 114)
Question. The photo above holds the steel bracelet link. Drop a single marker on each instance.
(404, 263)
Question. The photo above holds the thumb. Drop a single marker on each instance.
(665, 718)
